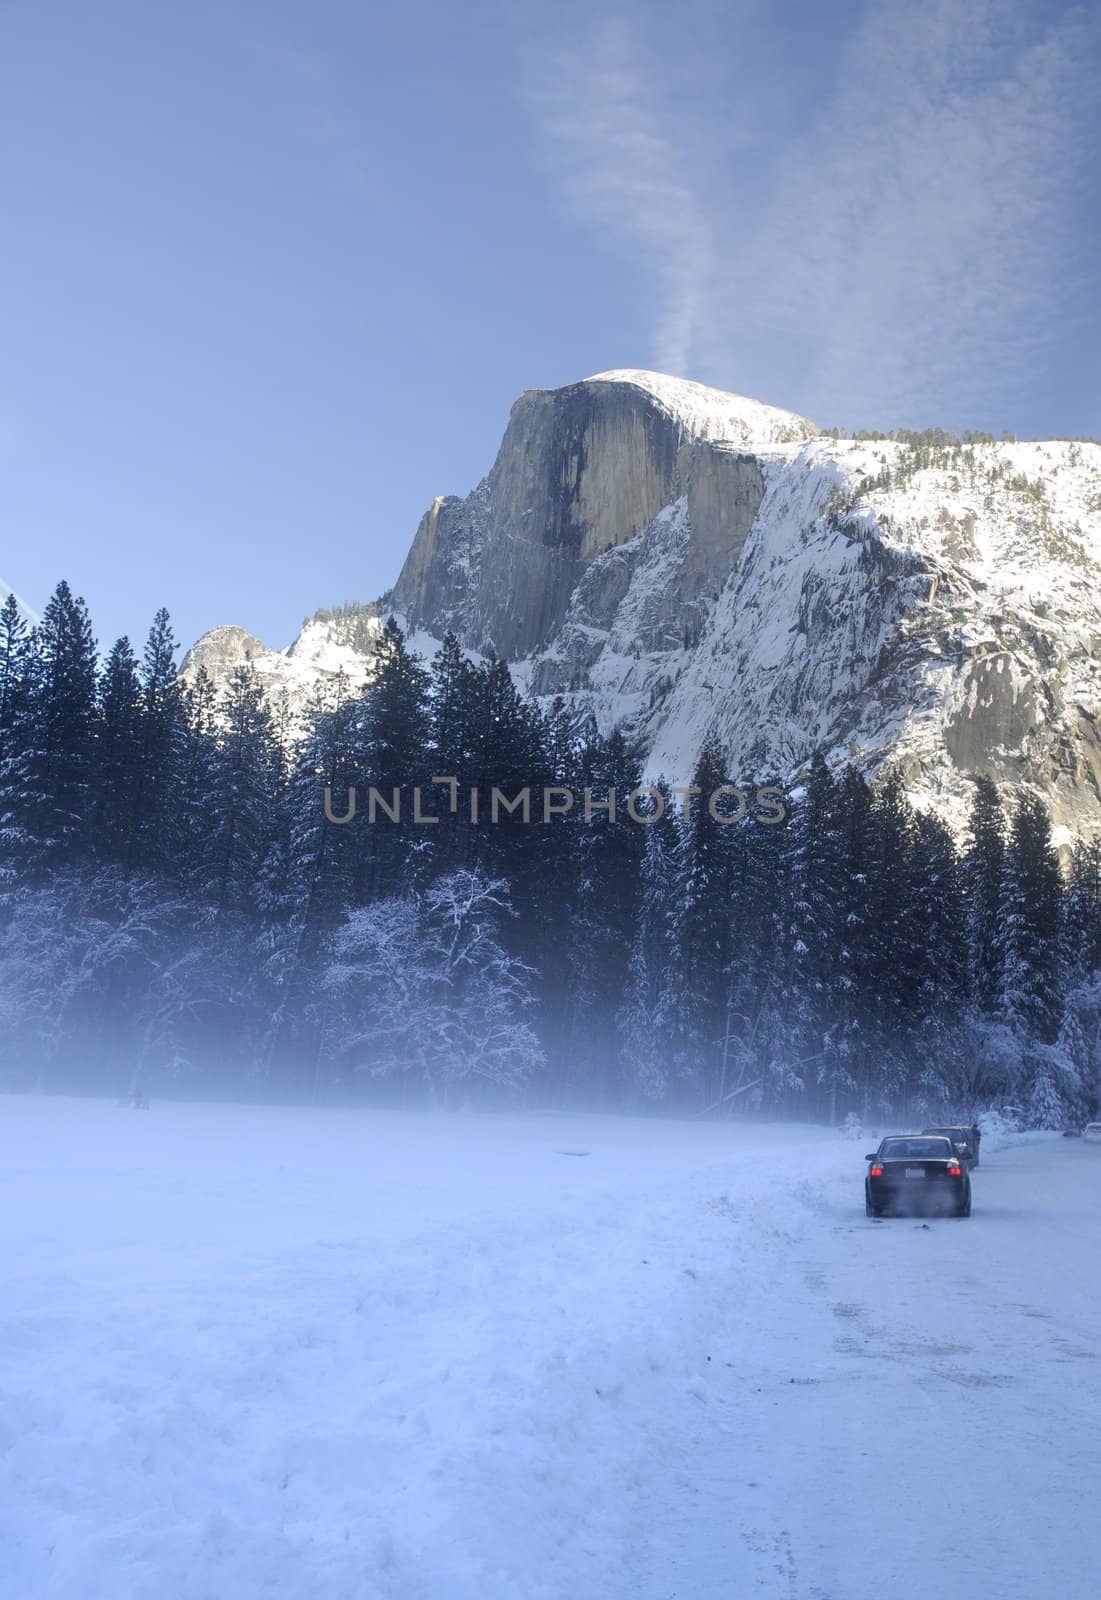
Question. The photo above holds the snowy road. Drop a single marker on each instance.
(304, 1354)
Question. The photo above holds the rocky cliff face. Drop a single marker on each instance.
(582, 471)
(679, 561)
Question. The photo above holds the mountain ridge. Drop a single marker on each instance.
(680, 561)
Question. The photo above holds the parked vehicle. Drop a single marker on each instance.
(917, 1172)
(966, 1141)
(1092, 1132)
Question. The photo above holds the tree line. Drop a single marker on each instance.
(179, 913)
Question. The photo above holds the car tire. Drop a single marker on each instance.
(872, 1211)
(965, 1209)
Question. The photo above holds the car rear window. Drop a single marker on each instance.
(919, 1149)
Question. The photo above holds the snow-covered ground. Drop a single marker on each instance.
(272, 1352)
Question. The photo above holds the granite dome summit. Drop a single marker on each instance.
(678, 561)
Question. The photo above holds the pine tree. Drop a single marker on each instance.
(14, 662)
(895, 961)
(856, 1000)
(1031, 914)
(645, 1044)
(604, 911)
(118, 753)
(1083, 909)
(62, 708)
(984, 869)
(311, 892)
(703, 930)
(321, 850)
(246, 780)
(190, 811)
(15, 741)
(815, 932)
(759, 1054)
(550, 887)
(505, 766)
(1073, 1051)
(505, 754)
(163, 746)
(449, 694)
(1046, 1106)
(767, 1063)
(940, 1065)
(392, 732)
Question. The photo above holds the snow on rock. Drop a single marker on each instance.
(946, 621)
(330, 659)
(713, 414)
(329, 654)
(682, 562)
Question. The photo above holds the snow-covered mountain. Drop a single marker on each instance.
(679, 560)
(333, 652)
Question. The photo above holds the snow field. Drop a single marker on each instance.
(256, 1352)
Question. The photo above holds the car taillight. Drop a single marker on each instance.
(955, 1172)
(875, 1172)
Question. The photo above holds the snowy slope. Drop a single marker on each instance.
(714, 414)
(947, 622)
(351, 1355)
(331, 659)
(328, 658)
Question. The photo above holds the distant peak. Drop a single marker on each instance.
(714, 414)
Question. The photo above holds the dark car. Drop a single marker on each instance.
(966, 1141)
(917, 1172)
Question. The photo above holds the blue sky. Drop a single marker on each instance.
(274, 270)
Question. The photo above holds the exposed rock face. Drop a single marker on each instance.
(679, 562)
(221, 649)
(581, 471)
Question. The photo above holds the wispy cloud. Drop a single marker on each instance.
(620, 171)
(916, 252)
(905, 248)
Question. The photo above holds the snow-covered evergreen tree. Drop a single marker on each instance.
(163, 750)
(1083, 909)
(60, 755)
(984, 870)
(608, 856)
(118, 753)
(645, 1041)
(855, 1038)
(16, 741)
(245, 782)
(1029, 933)
(696, 1001)
(815, 934)
(392, 737)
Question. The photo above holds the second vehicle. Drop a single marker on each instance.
(966, 1141)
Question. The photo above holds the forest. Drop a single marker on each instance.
(179, 916)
